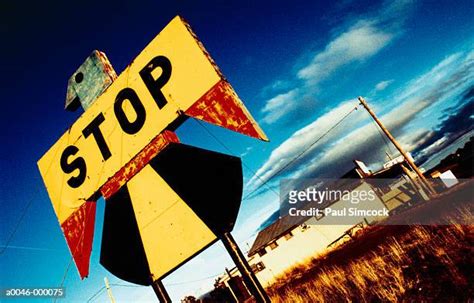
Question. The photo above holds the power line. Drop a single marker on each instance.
(169, 284)
(194, 281)
(20, 220)
(96, 294)
(249, 195)
(230, 151)
(101, 290)
(18, 223)
(67, 270)
(73, 252)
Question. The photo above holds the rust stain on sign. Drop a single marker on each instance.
(137, 163)
(78, 229)
(211, 106)
(221, 106)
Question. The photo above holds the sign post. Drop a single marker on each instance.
(158, 213)
(161, 292)
(250, 280)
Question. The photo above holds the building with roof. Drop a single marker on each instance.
(292, 240)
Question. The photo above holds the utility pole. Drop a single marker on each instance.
(410, 162)
(109, 291)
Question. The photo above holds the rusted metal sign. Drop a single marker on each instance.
(128, 126)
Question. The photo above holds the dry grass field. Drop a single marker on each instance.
(389, 263)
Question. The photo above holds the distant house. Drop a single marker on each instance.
(292, 240)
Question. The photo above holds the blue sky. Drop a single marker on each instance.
(297, 66)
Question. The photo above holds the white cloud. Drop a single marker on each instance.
(382, 85)
(431, 79)
(359, 42)
(279, 85)
(413, 139)
(363, 39)
(277, 106)
(300, 140)
(434, 146)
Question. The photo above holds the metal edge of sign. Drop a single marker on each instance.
(188, 259)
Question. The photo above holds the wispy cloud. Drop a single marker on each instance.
(300, 140)
(430, 81)
(382, 85)
(276, 107)
(358, 43)
(358, 40)
(276, 87)
(246, 151)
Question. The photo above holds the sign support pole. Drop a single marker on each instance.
(160, 291)
(251, 281)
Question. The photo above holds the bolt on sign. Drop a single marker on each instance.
(131, 125)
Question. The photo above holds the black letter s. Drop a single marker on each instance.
(78, 163)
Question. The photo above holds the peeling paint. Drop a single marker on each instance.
(78, 229)
(137, 163)
(221, 106)
(97, 74)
